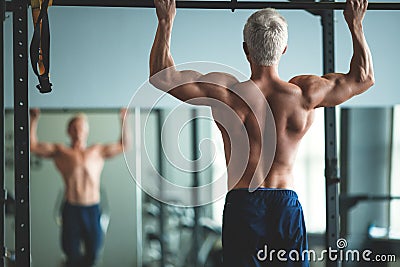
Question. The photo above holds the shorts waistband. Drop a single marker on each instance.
(68, 204)
(245, 193)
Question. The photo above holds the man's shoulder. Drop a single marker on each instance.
(60, 146)
(95, 146)
(304, 81)
(222, 79)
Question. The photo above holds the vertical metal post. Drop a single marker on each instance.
(21, 133)
(138, 172)
(196, 229)
(161, 172)
(331, 161)
(344, 168)
(3, 193)
(390, 167)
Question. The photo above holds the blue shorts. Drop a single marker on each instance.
(81, 225)
(263, 228)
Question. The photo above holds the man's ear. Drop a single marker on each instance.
(245, 49)
(284, 50)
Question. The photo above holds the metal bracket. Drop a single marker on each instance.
(349, 201)
(3, 196)
(234, 3)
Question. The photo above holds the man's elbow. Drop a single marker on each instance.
(165, 79)
(32, 147)
(367, 82)
(371, 80)
(37, 152)
(127, 146)
(154, 81)
(362, 83)
(152, 74)
(158, 83)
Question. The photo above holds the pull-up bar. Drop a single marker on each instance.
(220, 4)
(224, 4)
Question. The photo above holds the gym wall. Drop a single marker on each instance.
(99, 56)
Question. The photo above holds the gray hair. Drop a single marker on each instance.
(266, 35)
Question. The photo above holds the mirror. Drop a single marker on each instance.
(117, 190)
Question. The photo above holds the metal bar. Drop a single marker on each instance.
(224, 4)
(138, 172)
(390, 173)
(195, 184)
(344, 167)
(21, 133)
(78, 110)
(331, 161)
(366, 197)
(3, 193)
(104, 110)
(162, 220)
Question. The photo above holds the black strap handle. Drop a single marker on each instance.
(41, 37)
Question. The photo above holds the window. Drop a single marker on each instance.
(309, 175)
(395, 176)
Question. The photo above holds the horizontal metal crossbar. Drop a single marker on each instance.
(221, 4)
(224, 4)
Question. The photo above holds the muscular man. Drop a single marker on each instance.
(261, 208)
(80, 167)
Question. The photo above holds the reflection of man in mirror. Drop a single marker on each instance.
(80, 166)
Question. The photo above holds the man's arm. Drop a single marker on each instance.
(47, 150)
(335, 88)
(186, 85)
(124, 143)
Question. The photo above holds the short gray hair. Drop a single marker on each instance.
(266, 35)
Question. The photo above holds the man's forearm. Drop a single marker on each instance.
(126, 135)
(361, 67)
(33, 135)
(160, 56)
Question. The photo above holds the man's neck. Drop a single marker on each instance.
(77, 144)
(264, 72)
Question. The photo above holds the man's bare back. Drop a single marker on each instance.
(80, 166)
(281, 110)
(241, 109)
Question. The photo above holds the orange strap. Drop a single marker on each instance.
(38, 3)
(40, 44)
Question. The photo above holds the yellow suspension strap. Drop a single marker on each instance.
(40, 44)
